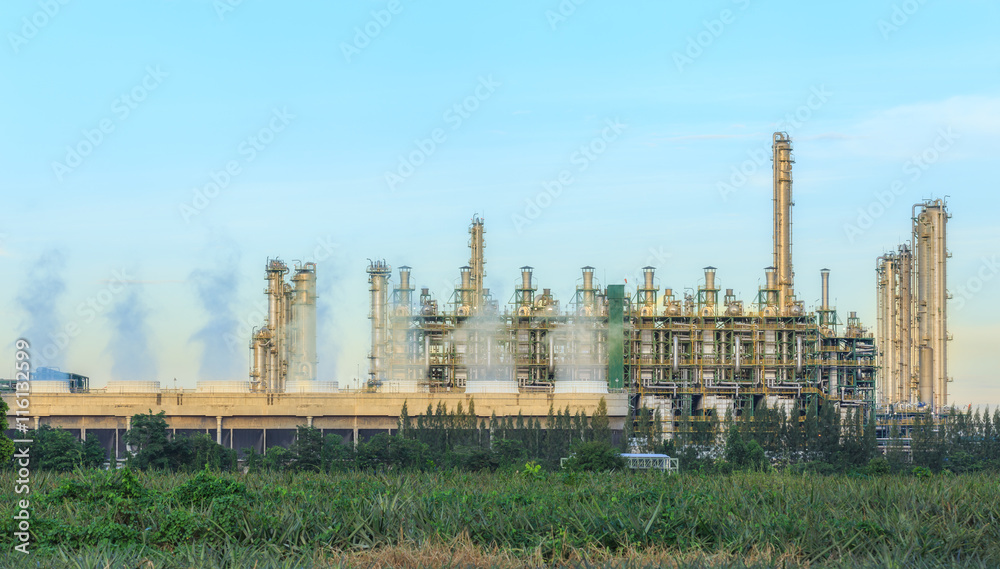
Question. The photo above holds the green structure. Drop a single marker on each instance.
(616, 336)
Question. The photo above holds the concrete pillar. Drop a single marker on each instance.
(309, 421)
(83, 434)
(128, 423)
(263, 442)
(218, 429)
(36, 421)
(355, 432)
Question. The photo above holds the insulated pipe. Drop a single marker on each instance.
(798, 355)
(676, 356)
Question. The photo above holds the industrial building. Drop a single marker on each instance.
(913, 313)
(691, 357)
(694, 357)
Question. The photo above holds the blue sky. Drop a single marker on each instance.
(313, 116)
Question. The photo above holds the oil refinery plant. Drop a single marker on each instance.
(693, 356)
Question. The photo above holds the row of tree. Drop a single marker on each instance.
(810, 437)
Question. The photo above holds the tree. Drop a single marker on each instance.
(148, 436)
(743, 455)
(336, 455)
(56, 449)
(404, 421)
(94, 454)
(6, 445)
(307, 450)
(600, 423)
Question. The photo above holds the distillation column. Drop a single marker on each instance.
(302, 336)
(477, 262)
(906, 387)
(378, 277)
(277, 321)
(931, 258)
(782, 174)
(888, 327)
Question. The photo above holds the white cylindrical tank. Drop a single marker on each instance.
(491, 386)
(302, 331)
(50, 386)
(223, 386)
(296, 386)
(579, 386)
(133, 386)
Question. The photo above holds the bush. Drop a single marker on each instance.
(878, 466)
(595, 456)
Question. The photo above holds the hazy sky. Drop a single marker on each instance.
(155, 154)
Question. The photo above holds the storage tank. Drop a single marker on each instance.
(491, 386)
(50, 386)
(307, 386)
(580, 386)
(223, 386)
(133, 386)
(402, 386)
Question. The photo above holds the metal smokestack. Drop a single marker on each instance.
(711, 293)
(771, 288)
(405, 296)
(526, 278)
(782, 174)
(825, 277)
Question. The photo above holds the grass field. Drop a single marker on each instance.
(505, 519)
